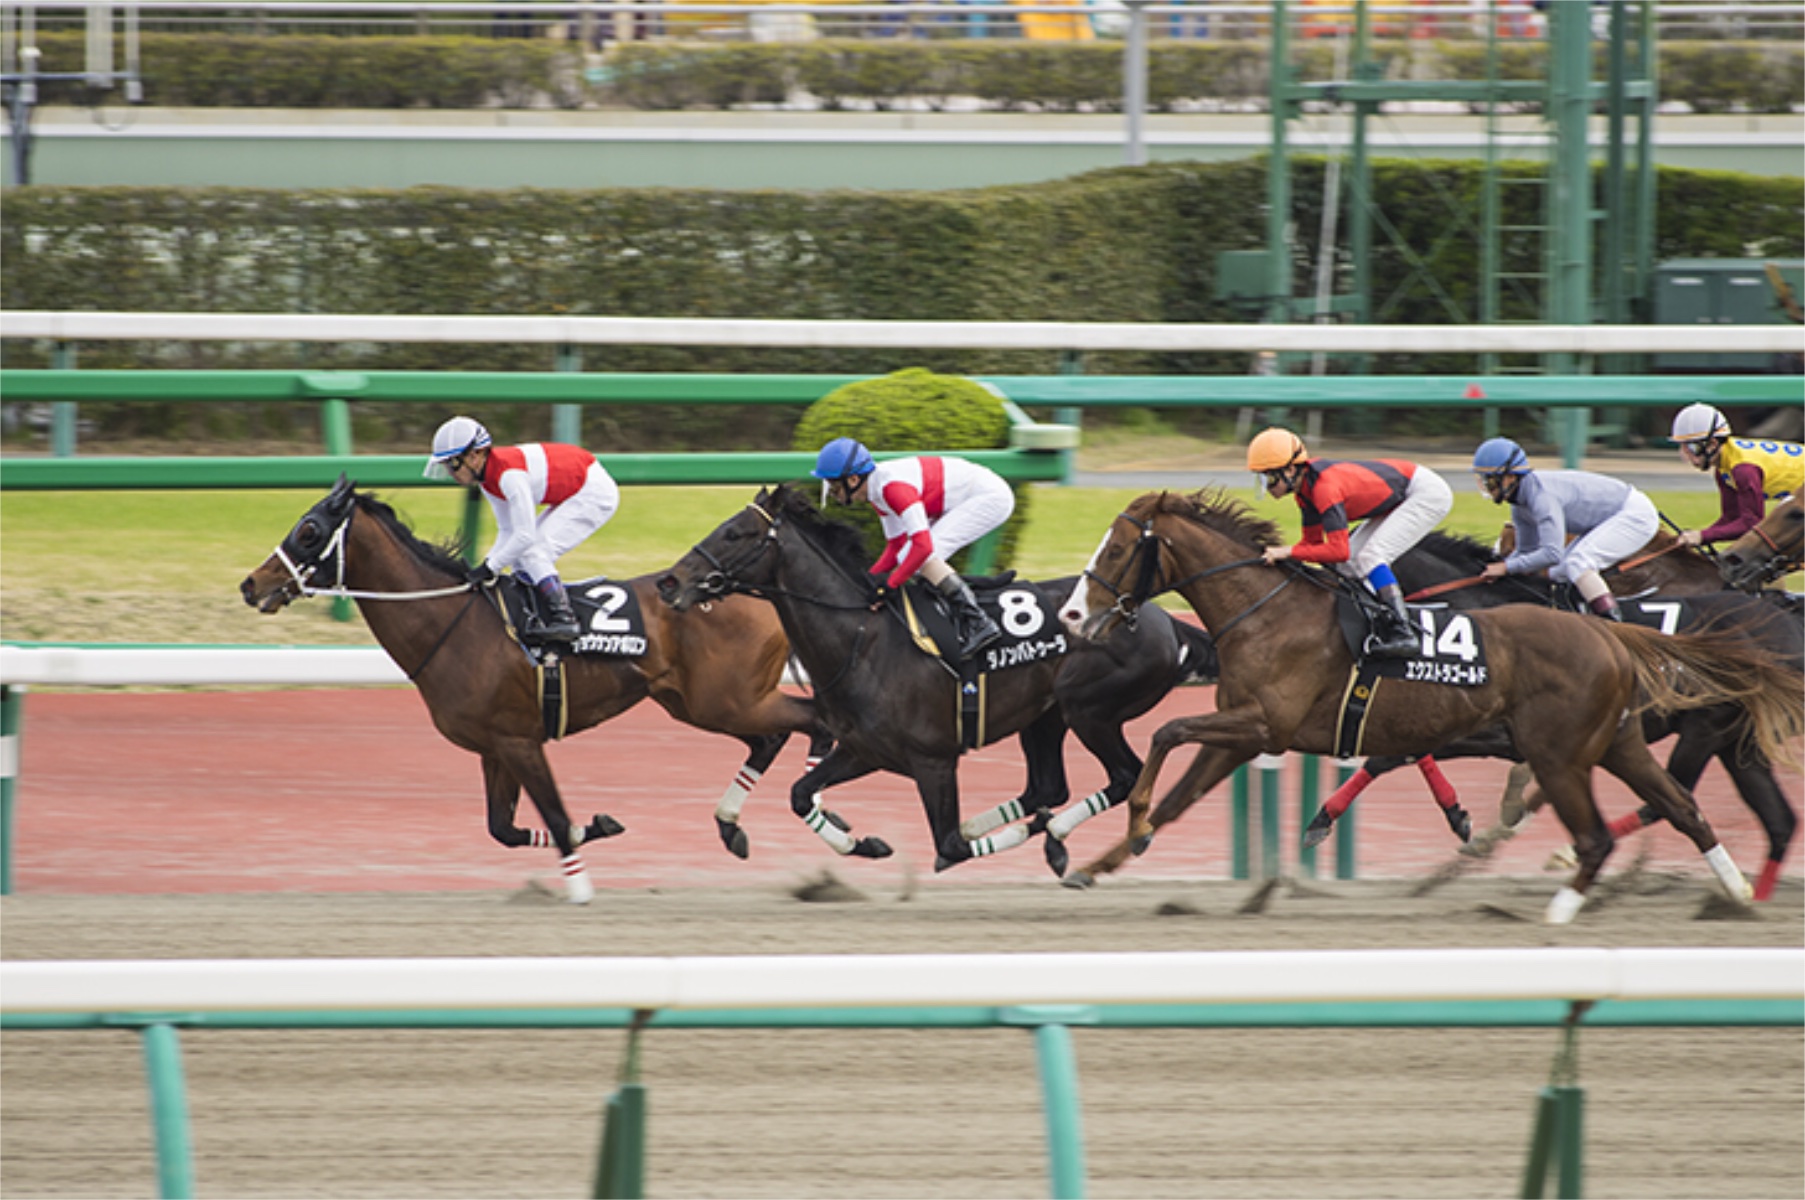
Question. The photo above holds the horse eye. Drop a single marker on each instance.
(308, 533)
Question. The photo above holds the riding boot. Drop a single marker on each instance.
(555, 622)
(1606, 606)
(1395, 634)
(976, 629)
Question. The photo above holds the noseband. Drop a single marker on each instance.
(303, 566)
(1127, 605)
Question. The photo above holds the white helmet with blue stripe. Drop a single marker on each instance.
(454, 439)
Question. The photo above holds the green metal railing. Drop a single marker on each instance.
(1555, 1138)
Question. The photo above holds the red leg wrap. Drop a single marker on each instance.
(1438, 783)
(1770, 875)
(1344, 795)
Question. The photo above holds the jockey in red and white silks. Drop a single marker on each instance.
(931, 508)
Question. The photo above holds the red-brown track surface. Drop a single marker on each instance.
(353, 790)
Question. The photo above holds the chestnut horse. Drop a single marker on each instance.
(1768, 551)
(1559, 682)
(717, 669)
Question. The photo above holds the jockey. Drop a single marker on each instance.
(1398, 501)
(578, 494)
(930, 508)
(1611, 519)
(1749, 473)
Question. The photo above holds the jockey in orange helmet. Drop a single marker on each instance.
(1398, 502)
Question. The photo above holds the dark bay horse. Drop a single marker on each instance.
(892, 707)
(1560, 683)
(716, 669)
(1767, 552)
(1690, 598)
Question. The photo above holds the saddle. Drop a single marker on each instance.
(928, 616)
(609, 614)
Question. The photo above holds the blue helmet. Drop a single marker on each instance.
(1499, 456)
(841, 458)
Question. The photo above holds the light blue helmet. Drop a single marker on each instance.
(841, 458)
(1499, 456)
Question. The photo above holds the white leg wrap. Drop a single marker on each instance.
(576, 880)
(837, 838)
(727, 808)
(1728, 875)
(1061, 826)
(1008, 839)
(1564, 907)
(996, 818)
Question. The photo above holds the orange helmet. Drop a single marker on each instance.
(1275, 449)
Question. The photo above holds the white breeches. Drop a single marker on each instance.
(959, 527)
(1610, 543)
(568, 524)
(1385, 539)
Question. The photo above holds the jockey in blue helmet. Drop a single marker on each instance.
(931, 507)
(1608, 520)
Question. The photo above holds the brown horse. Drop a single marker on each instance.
(717, 667)
(1663, 565)
(1560, 682)
(1768, 551)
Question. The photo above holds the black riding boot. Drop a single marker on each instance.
(976, 629)
(1395, 634)
(556, 623)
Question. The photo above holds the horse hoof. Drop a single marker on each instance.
(1141, 843)
(1079, 881)
(871, 847)
(1058, 857)
(1460, 823)
(1315, 836)
(942, 862)
(604, 826)
(734, 838)
(1563, 859)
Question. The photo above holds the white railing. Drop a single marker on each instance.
(856, 980)
(943, 335)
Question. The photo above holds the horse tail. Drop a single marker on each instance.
(1696, 670)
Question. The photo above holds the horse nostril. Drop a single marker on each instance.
(667, 587)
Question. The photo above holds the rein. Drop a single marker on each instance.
(1144, 590)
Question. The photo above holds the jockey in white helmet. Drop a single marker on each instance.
(1749, 473)
(579, 498)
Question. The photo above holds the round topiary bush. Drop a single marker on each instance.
(917, 410)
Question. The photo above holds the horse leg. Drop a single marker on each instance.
(1230, 739)
(1043, 743)
(1754, 778)
(502, 793)
(1109, 745)
(525, 761)
(1629, 760)
(1343, 797)
(937, 782)
(761, 753)
(1567, 786)
(839, 766)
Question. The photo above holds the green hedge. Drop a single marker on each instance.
(915, 409)
(1126, 244)
(207, 70)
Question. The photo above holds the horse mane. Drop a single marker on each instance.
(1215, 508)
(843, 543)
(445, 558)
(1456, 549)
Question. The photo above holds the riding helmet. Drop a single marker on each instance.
(1697, 421)
(841, 458)
(456, 437)
(1499, 456)
(1274, 449)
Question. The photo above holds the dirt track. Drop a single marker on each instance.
(904, 1113)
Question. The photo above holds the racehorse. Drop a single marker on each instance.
(1768, 551)
(1690, 598)
(892, 707)
(716, 669)
(1558, 681)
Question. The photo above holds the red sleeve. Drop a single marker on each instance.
(886, 560)
(1743, 508)
(1332, 548)
(921, 547)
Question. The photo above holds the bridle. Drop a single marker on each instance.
(302, 566)
(1146, 549)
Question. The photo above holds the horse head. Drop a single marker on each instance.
(1768, 551)
(740, 554)
(317, 539)
(1120, 577)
